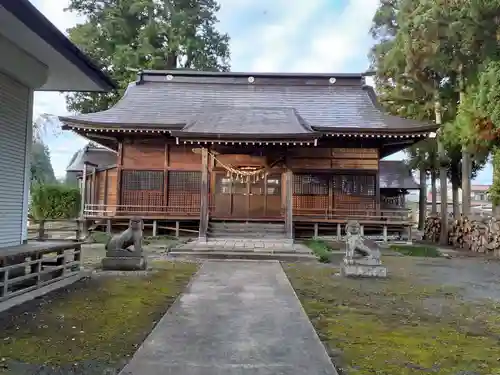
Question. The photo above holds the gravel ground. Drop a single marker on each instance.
(477, 277)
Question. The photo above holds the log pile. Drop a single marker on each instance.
(477, 234)
(432, 228)
(459, 232)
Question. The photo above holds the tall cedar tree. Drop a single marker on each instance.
(417, 60)
(41, 167)
(123, 35)
(403, 95)
(452, 38)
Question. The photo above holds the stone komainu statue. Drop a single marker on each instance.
(355, 243)
(132, 236)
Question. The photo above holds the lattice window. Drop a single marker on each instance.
(354, 185)
(273, 184)
(184, 188)
(222, 184)
(142, 180)
(142, 191)
(306, 184)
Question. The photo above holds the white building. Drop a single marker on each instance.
(35, 55)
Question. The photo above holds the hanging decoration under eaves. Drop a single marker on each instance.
(242, 174)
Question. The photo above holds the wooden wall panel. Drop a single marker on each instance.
(101, 185)
(183, 158)
(355, 153)
(112, 187)
(309, 163)
(241, 160)
(353, 203)
(307, 152)
(143, 156)
(363, 164)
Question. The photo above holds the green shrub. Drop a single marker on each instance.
(54, 202)
(321, 249)
(417, 251)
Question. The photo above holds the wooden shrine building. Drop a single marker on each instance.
(199, 147)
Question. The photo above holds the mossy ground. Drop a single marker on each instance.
(99, 319)
(398, 325)
(322, 249)
(417, 250)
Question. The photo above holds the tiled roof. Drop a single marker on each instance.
(395, 174)
(172, 100)
(249, 121)
(99, 156)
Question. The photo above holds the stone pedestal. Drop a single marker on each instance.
(363, 267)
(124, 261)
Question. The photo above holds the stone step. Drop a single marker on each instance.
(246, 229)
(248, 235)
(224, 239)
(256, 226)
(243, 255)
(262, 250)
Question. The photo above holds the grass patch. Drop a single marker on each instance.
(98, 319)
(321, 249)
(99, 237)
(397, 326)
(417, 250)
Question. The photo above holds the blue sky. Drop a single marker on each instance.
(267, 36)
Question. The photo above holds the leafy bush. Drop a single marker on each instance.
(54, 202)
(321, 249)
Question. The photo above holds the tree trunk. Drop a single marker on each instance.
(171, 61)
(434, 192)
(466, 175)
(495, 163)
(455, 197)
(443, 238)
(466, 159)
(422, 199)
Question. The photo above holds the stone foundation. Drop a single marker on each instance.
(126, 263)
(363, 268)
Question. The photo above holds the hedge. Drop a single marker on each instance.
(54, 202)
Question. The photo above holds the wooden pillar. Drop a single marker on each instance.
(108, 226)
(82, 191)
(339, 231)
(155, 228)
(177, 229)
(377, 191)
(204, 196)
(316, 230)
(385, 233)
(119, 174)
(289, 204)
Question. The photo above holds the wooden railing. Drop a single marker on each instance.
(33, 265)
(55, 229)
(102, 211)
(341, 215)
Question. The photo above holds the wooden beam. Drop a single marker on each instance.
(83, 194)
(288, 204)
(204, 196)
(119, 173)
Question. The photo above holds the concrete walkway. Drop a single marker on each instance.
(236, 318)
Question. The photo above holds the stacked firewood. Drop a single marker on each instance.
(459, 232)
(477, 234)
(432, 228)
